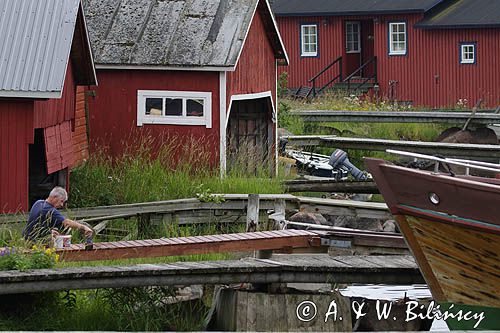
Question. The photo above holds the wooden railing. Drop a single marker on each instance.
(315, 77)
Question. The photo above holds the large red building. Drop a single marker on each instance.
(44, 55)
(182, 70)
(434, 53)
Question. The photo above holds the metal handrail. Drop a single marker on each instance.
(313, 79)
(360, 68)
(469, 164)
(374, 76)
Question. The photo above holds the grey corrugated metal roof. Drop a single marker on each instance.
(171, 33)
(464, 14)
(349, 7)
(35, 44)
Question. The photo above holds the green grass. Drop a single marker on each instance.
(135, 177)
(336, 101)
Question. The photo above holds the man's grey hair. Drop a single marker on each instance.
(59, 192)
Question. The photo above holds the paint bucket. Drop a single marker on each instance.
(61, 241)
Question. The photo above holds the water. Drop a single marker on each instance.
(393, 293)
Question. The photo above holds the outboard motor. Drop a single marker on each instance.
(339, 158)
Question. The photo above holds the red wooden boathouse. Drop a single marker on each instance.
(429, 52)
(44, 55)
(177, 70)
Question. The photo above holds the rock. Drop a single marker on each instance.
(482, 135)
(389, 226)
(306, 217)
(354, 222)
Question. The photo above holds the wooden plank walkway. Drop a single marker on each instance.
(279, 269)
(397, 116)
(237, 242)
(430, 148)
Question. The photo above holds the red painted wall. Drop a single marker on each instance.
(57, 110)
(330, 47)
(16, 133)
(80, 139)
(113, 111)
(256, 69)
(430, 73)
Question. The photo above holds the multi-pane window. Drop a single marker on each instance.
(174, 107)
(397, 38)
(353, 37)
(467, 53)
(309, 40)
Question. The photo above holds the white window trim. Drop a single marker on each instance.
(302, 41)
(391, 51)
(142, 118)
(359, 36)
(462, 53)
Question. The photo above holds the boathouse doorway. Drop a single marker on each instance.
(250, 135)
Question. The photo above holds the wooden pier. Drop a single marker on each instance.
(279, 269)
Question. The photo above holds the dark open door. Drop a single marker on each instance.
(368, 51)
(352, 47)
(249, 135)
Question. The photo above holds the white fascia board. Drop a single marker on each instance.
(31, 94)
(88, 42)
(168, 68)
(251, 96)
(277, 30)
(222, 122)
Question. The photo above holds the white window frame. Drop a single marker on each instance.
(304, 53)
(358, 42)
(205, 120)
(391, 39)
(463, 52)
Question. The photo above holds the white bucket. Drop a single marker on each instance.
(62, 241)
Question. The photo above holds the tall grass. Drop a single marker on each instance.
(145, 172)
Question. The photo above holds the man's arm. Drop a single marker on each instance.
(67, 223)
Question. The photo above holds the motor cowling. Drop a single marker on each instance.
(339, 158)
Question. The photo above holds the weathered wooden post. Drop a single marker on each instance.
(252, 212)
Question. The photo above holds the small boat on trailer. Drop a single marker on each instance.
(451, 223)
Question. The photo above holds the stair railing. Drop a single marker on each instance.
(315, 77)
(359, 70)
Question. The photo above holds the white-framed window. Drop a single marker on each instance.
(468, 53)
(397, 38)
(174, 107)
(309, 40)
(353, 37)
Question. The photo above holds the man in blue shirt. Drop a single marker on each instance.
(45, 220)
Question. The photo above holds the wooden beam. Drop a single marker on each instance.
(397, 116)
(430, 148)
(330, 185)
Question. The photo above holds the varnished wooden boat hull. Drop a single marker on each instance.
(455, 242)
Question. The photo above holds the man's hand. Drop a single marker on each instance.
(88, 232)
(54, 233)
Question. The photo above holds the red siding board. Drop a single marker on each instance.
(55, 111)
(113, 112)
(429, 75)
(59, 149)
(16, 133)
(256, 69)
